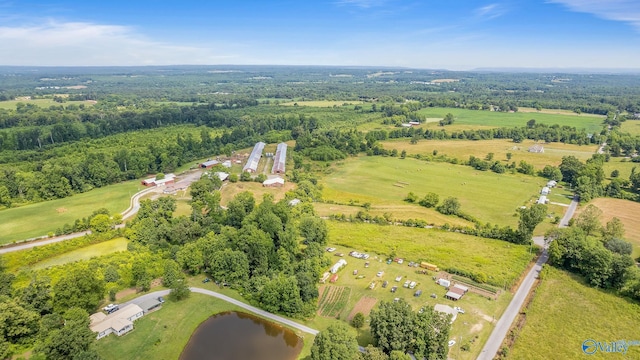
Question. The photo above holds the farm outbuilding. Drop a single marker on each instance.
(168, 179)
(337, 266)
(545, 190)
(452, 295)
(209, 164)
(542, 200)
(444, 282)
(274, 182)
(279, 159)
(221, 175)
(334, 278)
(252, 163)
(462, 288)
(552, 183)
(226, 163)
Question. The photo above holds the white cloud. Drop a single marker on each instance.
(617, 10)
(79, 43)
(490, 11)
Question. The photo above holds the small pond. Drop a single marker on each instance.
(240, 336)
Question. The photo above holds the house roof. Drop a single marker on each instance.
(461, 287)
(148, 304)
(117, 320)
(210, 163)
(277, 180)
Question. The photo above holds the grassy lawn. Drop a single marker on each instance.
(38, 219)
(385, 181)
(498, 119)
(565, 312)
(624, 167)
(230, 190)
(625, 210)
(86, 253)
(501, 261)
(462, 149)
(479, 311)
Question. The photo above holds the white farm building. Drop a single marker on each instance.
(252, 163)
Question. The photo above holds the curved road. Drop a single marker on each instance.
(253, 309)
(504, 323)
(134, 207)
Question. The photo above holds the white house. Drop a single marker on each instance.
(119, 322)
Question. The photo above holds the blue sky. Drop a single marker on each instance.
(456, 35)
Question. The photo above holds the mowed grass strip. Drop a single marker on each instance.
(86, 253)
(518, 119)
(627, 211)
(565, 312)
(631, 126)
(38, 219)
(488, 196)
(44, 103)
(462, 149)
(501, 261)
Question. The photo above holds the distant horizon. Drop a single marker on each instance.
(458, 36)
(565, 70)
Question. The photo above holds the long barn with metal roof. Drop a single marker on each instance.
(279, 159)
(254, 158)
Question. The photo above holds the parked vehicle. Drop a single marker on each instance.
(393, 289)
(385, 283)
(418, 293)
(111, 308)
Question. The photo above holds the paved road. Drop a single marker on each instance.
(134, 206)
(504, 323)
(253, 309)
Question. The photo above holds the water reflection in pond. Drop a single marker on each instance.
(240, 336)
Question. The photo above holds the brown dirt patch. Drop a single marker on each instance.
(363, 306)
(476, 328)
(61, 210)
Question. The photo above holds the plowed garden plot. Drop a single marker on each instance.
(333, 299)
(363, 306)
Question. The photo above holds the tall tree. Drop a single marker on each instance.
(335, 343)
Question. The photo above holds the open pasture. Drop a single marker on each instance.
(631, 126)
(230, 190)
(321, 103)
(85, 253)
(38, 219)
(627, 211)
(385, 181)
(501, 261)
(565, 312)
(517, 119)
(45, 103)
(462, 149)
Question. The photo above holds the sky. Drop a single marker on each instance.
(433, 34)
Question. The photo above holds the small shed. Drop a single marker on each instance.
(463, 288)
(444, 282)
(334, 278)
(221, 175)
(324, 277)
(226, 163)
(452, 295)
(273, 182)
(209, 164)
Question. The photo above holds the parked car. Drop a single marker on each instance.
(434, 296)
(206, 280)
(339, 254)
(380, 273)
(393, 289)
(385, 283)
(412, 285)
(452, 342)
(355, 272)
(161, 299)
(458, 309)
(111, 308)
(418, 293)
(406, 284)
(331, 249)
(398, 278)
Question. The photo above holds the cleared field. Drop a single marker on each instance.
(230, 190)
(565, 313)
(480, 312)
(501, 261)
(320, 103)
(631, 126)
(386, 181)
(517, 119)
(624, 167)
(557, 112)
(398, 212)
(11, 104)
(38, 219)
(462, 149)
(86, 253)
(627, 211)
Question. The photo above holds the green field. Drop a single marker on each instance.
(462, 149)
(38, 219)
(321, 103)
(565, 312)
(488, 196)
(631, 126)
(518, 119)
(85, 253)
(11, 104)
(480, 311)
(501, 261)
